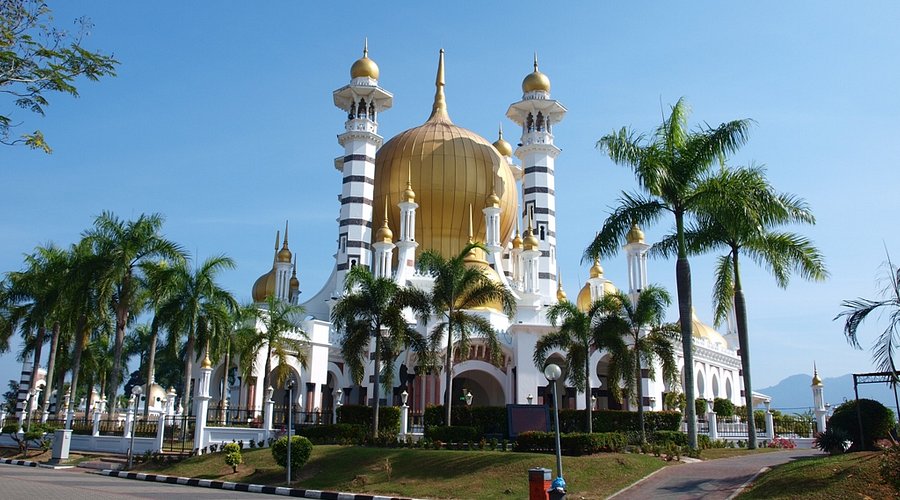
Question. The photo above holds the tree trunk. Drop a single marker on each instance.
(51, 362)
(151, 361)
(640, 396)
(188, 364)
(740, 316)
(267, 383)
(587, 391)
(38, 348)
(448, 365)
(60, 384)
(376, 390)
(80, 337)
(113, 379)
(683, 282)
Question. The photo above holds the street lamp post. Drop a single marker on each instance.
(338, 394)
(290, 410)
(553, 372)
(136, 393)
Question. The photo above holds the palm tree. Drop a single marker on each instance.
(278, 333)
(126, 244)
(739, 213)
(196, 301)
(371, 307)
(856, 311)
(458, 288)
(635, 335)
(668, 167)
(576, 337)
(159, 282)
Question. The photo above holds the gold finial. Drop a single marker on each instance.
(535, 61)
(439, 109)
(284, 255)
(294, 273)
(596, 270)
(502, 146)
(816, 380)
(560, 293)
(285, 234)
(384, 234)
(635, 235)
(206, 362)
(366, 47)
(409, 195)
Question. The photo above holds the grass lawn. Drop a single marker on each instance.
(424, 473)
(36, 455)
(852, 475)
(714, 453)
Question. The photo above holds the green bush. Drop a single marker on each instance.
(335, 433)
(452, 434)
(301, 449)
(488, 421)
(890, 467)
(877, 422)
(233, 455)
(700, 408)
(704, 442)
(388, 417)
(723, 407)
(677, 438)
(575, 443)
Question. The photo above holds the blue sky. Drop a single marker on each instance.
(221, 119)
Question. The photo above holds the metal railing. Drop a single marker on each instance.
(731, 427)
(178, 434)
(234, 417)
(300, 418)
(113, 427)
(794, 426)
(146, 428)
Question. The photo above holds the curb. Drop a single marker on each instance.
(250, 488)
(639, 481)
(747, 483)
(26, 463)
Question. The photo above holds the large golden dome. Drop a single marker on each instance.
(451, 168)
(701, 330)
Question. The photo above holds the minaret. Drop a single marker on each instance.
(283, 269)
(406, 246)
(536, 113)
(363, 100)
(636, 254)
(597, 282)
(295, 284)
(818, 399)
(384, 248)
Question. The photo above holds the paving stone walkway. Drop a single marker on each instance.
(711, 479)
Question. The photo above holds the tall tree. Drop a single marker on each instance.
(159, 282)
(635, 335)
(196, 301)
(739, 212)
(275, 328)
(884, 350)
(373, 307)
(668, 165)
(125, 245)
(38, 59)
(576, 337)
(458, 289)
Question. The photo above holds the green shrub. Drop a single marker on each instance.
(335, 433)
(877, 422)
(388, 417)
(233, 455)
(301, 449)
(703, 442)
(723, 407)
(575, 443)
(488, 421)
(700, 408)
(231, 448)
(677, 438)
(833, 441)
(452, 434)
(890, 467)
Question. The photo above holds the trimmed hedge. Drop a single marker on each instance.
(723, 407)
(677, 438)
(453, 434)
(574, 444)
(488, 421)
(335, 433)
(619, 421)
(388, 417)
(877, 422)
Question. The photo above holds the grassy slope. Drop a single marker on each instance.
(853, 475)
(425, 473)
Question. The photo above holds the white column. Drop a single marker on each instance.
(129, 417)
(170, 402)
(270, 406)
(770, 423)
(203, 398)
(713, 425)
(160, 432)
(98, 413)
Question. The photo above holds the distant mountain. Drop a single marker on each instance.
(794, 395)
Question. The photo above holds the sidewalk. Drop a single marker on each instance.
(713, 479)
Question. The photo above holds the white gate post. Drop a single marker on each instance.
(404, 415)
(270, 406)
(129, 417)
(98, 413)
(203, 398)
(160, 432)
(770, 423)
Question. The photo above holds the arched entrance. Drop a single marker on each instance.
(605, 398)
(482, 380)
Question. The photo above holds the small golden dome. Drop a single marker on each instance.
(703, 331)
(206, 363)
(364, 67)
(531, 242)
(295, 283)
(517, 241)
(285, 255)
(635, 235)
(264, 286)
(384, 234)
(583, 301)
(503, 147)
(536, 80)
(492, 200)
(560, 293)
(596, 269)
(816, 381)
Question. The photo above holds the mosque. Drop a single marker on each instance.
(438, 186)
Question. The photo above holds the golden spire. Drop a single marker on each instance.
(536, 80)
(517, 241)
(409, 195)
(531, 241)
(439, 109)
(816, 380)
(364, 67)
(596, 269)
(502, 146)
(284, 255)
(385, 235)
(560, 293)
(471, 230)
(206, 363)
(635, 235)
(295, 283)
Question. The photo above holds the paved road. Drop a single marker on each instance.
(33, 483)
(713, 479)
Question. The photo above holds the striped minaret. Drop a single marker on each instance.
(24, 383)
(362, 100)
(536, 113)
